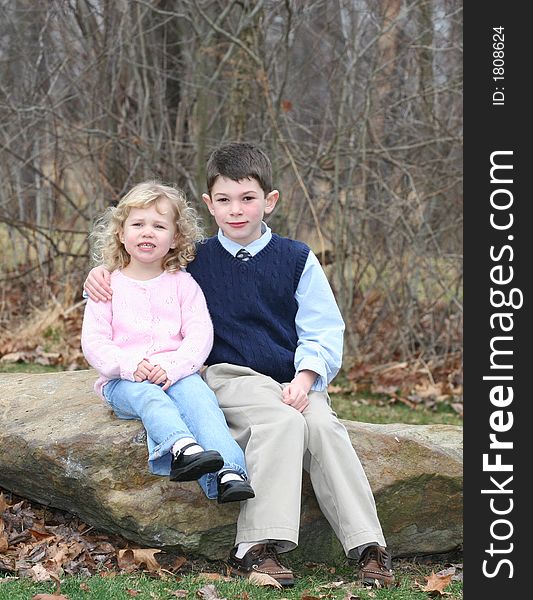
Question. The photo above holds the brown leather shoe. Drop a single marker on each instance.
(261, 558)
(375, 567)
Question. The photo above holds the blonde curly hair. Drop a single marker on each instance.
(108, 250)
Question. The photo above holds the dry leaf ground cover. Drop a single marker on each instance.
(48, 554)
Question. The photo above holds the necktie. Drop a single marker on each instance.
(243, 254)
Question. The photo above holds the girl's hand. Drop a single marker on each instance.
(98, 284)
(159, 377)
(144, 368)
(146, 371)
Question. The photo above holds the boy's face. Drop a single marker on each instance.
(239, 207)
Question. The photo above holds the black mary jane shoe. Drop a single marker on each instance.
(234, 490)
(189, 467)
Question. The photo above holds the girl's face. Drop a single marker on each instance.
(148, 234)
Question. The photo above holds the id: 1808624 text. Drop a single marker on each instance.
(498, 66)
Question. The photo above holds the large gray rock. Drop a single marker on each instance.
(61, 446)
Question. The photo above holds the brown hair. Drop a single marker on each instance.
(239, 160)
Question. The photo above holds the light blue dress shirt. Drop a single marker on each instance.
(319, 323)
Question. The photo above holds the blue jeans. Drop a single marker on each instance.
(187, 409)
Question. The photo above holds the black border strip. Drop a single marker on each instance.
(497, 548)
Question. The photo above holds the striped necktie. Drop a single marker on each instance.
(243, 254)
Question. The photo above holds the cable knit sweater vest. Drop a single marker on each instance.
(252, 304)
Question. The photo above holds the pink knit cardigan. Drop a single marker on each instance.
(164, 320)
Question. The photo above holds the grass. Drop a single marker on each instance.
(311, 584)
(374, 408)
(368, 407)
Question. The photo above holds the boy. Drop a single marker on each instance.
(278, 343)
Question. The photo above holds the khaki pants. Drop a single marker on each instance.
(278, 442)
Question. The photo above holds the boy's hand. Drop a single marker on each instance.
(98, 284)
(295, 394)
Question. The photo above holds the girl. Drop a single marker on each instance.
(149, 342)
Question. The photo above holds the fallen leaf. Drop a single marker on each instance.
(426, 390)
(342, 389)
(209, 592)
(104, 548)
(331, 585)
(58, 554)
(3, 503)
(4, 543)
(7, 565)
(179, 561)
(457, 407)
(213, 577)
(131, 592)
(435, 584)
(133, 557)
(14, 357)
(178, 593)
(444, 572)
(41, 535)
(39, 573)
(262, 579)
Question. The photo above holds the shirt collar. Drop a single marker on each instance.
(253, 248)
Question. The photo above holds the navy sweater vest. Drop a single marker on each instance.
(252, 304)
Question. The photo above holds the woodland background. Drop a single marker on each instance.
(357, 102)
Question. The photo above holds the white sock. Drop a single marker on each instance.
(231, 477)
(183, 442)
(245, 546)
